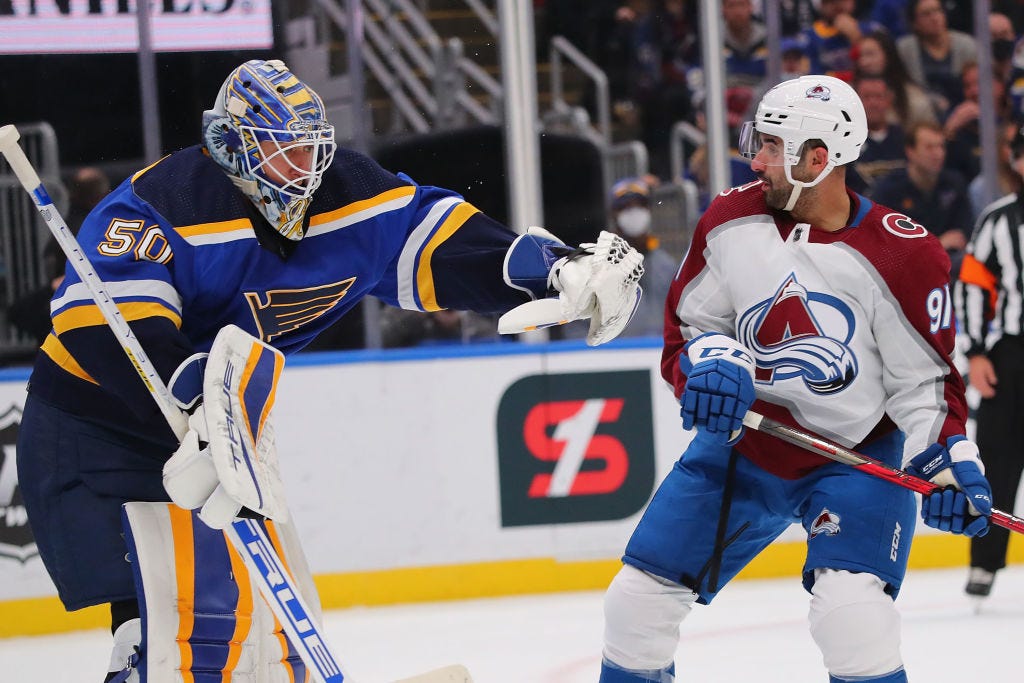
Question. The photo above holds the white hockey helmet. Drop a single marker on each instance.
(809, 108)
(263, 118)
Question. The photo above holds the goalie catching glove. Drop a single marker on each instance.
(965, 501)
(228, 459)
(599, 281)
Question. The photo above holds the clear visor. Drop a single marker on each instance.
(753, 142)
(292, 162)
(749, 143)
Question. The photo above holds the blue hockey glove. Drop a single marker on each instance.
(965, 502)
(719, 386)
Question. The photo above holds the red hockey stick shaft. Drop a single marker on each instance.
(864, 463)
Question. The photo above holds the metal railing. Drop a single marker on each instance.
(561, 47)
(426, 77)
(23, 234)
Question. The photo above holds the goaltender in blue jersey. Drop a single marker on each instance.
(269, 227)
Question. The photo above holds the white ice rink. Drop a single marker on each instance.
(755, 631)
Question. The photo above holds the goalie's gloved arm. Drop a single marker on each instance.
(530, 260)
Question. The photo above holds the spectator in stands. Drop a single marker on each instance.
(883, 151)
(892, 14)
(1015, 84)
(796, 16)
(962, 126)
(30, 313)
(630, 201)
(1007, 178)
(1004, 40)
(794, 61)
(928, 192)
(934, 55)
(876, 55)
(87, 186)
(832, 37)
(745, 47)
(651, 51)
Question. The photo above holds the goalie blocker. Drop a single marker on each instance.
(228, 458)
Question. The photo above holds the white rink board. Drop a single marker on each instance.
(390, 459)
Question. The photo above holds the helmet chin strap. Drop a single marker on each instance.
(799, 185)
(794, 194)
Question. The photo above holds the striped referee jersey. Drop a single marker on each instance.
(989, 296)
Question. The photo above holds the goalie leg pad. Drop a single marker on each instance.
(201, 614)
(642, 614)
(856, 626)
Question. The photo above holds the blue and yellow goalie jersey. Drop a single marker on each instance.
(183, 253)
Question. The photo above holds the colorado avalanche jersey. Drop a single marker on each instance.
(183, 253)
(851, 331)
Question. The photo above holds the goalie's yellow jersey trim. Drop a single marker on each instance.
(424, 272)
(34, 616)
(89, 315)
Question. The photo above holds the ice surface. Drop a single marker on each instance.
(755, 631)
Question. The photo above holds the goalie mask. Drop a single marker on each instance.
(804, 109)
(268, 131)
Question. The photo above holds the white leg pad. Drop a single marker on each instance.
(855, 624)
(183, 609)
(642, 614)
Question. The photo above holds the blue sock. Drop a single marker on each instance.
(613, 673)
(899, 676)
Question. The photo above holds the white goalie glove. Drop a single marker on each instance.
(599, 281)
(228, 459)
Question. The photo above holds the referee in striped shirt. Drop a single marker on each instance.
(989, 299)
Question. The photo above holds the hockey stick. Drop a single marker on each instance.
(864, 463)
(246, 535)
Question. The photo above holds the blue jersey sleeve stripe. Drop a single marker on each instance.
(157, 290)
(425, 272)
(353, 213)
(408, 297)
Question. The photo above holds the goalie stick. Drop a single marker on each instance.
(864, 463)
(246, 535)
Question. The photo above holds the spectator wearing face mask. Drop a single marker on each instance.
(631, 218)
(1004, 40)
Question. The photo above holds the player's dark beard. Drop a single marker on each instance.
(777, 195)
(776, 198)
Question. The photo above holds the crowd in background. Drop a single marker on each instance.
(914, 64)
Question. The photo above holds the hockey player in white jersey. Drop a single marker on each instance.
(269, 230)
(814, 306)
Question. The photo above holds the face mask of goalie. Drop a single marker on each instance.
(784, 175)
